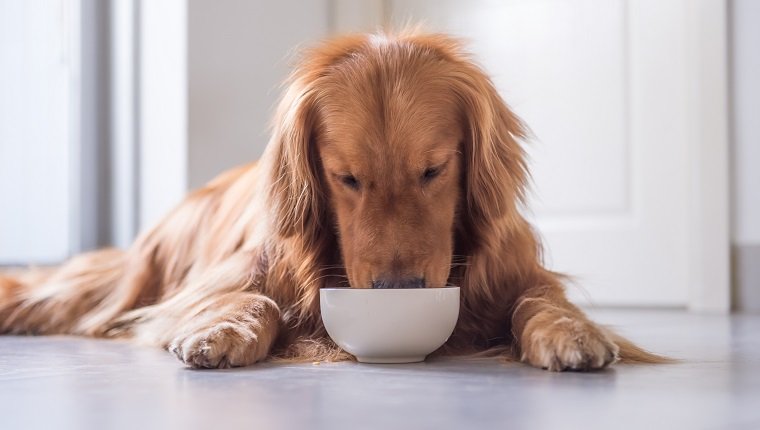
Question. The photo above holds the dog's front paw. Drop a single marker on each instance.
(222, 346)
(557, 343)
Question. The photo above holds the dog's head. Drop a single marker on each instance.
(401, 147)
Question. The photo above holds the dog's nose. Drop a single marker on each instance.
(399, 283)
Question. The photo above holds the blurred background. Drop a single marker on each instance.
(645, 117)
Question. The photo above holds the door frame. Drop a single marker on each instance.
(710, 286)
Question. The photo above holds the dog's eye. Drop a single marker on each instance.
(349, 181)
(430, 173)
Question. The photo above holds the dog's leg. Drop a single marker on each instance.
(234, 329)
(553, 334)
(215, 319)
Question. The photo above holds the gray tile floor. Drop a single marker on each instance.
(62, 383)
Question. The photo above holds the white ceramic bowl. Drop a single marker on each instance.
(390, 325)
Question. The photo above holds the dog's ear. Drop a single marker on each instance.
(495, 172)
(296, 190)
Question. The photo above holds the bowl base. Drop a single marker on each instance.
(391, 360)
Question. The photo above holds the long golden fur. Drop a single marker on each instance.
(393, 162)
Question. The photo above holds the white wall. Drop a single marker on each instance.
(237, 57)
(746, 121)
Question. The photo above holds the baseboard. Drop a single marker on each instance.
(745, 260)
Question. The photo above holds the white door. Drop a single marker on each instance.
(612, 93)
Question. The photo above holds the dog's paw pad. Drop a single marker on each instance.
(216, 348)
(568, 344)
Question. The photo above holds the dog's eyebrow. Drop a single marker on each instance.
(442, 150)
(439, 160)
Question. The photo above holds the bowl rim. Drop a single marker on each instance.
(449, 287)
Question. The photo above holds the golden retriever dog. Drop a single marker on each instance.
(393, 163)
